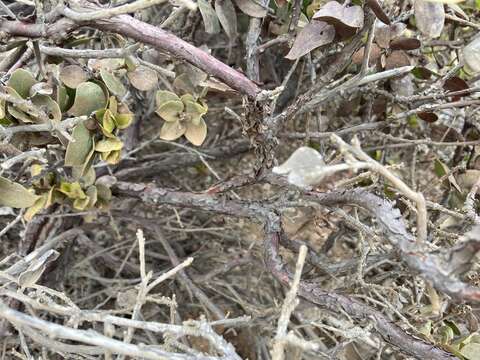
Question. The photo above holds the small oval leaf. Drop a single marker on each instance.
(196, 133)
(313, 35)
(15, 195)
(73, 75)
(143, 78)
(88, 98)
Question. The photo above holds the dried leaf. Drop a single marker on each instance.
(89, 97)
(143, 78)
(313, 35)
(397, 59)
(196, 133)
(346, 20)
(429, 17)
(384, 33)
(78, 152)
(107, 64)
(113, 84)
(468, 178)
(227, 17)
(30, 276)
(73, 75)
(210, 19)
(471, 55)
(300, 166)
(21, 81)
(253, 8)
(455, 84)
(41, 88)
(378, 11)
(405, 43)
(15, 195)
(375, 53)
(172, 130)
(429, 117)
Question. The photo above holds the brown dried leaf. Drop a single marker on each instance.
(375, 53)
(405, 43)
(313, 35)
(378, 11)
(427, 116)
(397, 59)
(455, 84)
(429, 17)
(346, 20)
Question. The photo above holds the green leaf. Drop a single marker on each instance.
(163, 96)
(196, 134)
(471, 351)
(15, 195)
(21, 80)
(92, 194)
(81, 204)
(170, 111)
(2, 109)
(89, 97)
(108, 121)
(123, 120)
(113, 105)
(78, 152)
(48, 106)
(63, 99)
(172, 130)
(37, 206)
(109, 144)
(72, 190)
(111, 157)
(103, 192)
(113, 84)
(440, 168)
(19, 114)
(194, 110)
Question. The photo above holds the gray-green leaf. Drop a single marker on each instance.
(15, 195)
